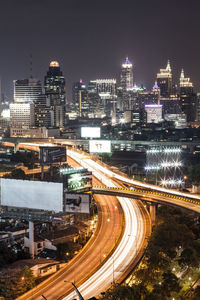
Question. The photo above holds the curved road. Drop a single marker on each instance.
(129, 250)
(110, 226)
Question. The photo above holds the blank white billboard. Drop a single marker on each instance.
(32, 194)
(77, 203)
(90, 132)
(99, 146)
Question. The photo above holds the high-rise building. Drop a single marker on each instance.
(27, 90)
(148, 97)
(154, 113)
(22, 115)
(171, 104)
(164, 81)
(198, 107)
(188, 98)
(126, 85)
(80, 98)
(43, 114)
(106, 90)
(126, 78)
(54, 83)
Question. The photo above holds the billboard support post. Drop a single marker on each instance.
(31, 239)
(42, 171)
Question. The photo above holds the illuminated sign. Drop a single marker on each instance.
(90, 132)
(99, 146)
(77, 180)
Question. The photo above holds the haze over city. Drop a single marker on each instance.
(91, 38)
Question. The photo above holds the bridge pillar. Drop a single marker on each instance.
(153, 213)
(31, 239)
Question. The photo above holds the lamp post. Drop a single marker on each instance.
(77, 291)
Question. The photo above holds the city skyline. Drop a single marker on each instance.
(92, 39)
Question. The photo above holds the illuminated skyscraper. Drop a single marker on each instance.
(126, 79)
(30, 106)
(164, 81)
(188, 98)
(54, 83)
(80, 98)
(106, 90)
(27, 90)
(126, 84)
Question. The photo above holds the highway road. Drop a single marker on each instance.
(117, 264)
(105, 238)
(129, 250)
(186, 202)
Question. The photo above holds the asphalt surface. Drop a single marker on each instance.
(92, 255)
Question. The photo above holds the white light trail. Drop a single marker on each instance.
(127, 248)
(131, 181)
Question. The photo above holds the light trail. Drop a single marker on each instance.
(111, 174)
(126, 251)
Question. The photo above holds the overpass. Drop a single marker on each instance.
(150, 196)
(116, 145)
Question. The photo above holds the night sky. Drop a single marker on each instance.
(90, 38)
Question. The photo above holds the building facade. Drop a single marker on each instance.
(54, 83)
(188, 98)
(164, 81)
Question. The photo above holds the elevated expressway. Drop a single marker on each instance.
(117, 264)
(111, 253)
(182, 201)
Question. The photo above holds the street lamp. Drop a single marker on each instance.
(77, 291)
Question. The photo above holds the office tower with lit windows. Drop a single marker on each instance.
(43, 114)
(126, 85)
(107, 93)
(27, 90)
(148, 97)
(198, 107)
(22, 117)
(188, 98)
(164, 81)
(80, 98)
(54, 83)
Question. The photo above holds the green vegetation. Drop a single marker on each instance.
(64, 251)
(12, 287)
(171, 262)
(194, 174)
(9, 255)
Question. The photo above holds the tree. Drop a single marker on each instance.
(194, 174)
(125, 292)
(188, 258)
(170, 283)
(27, 278)
(196, 293)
